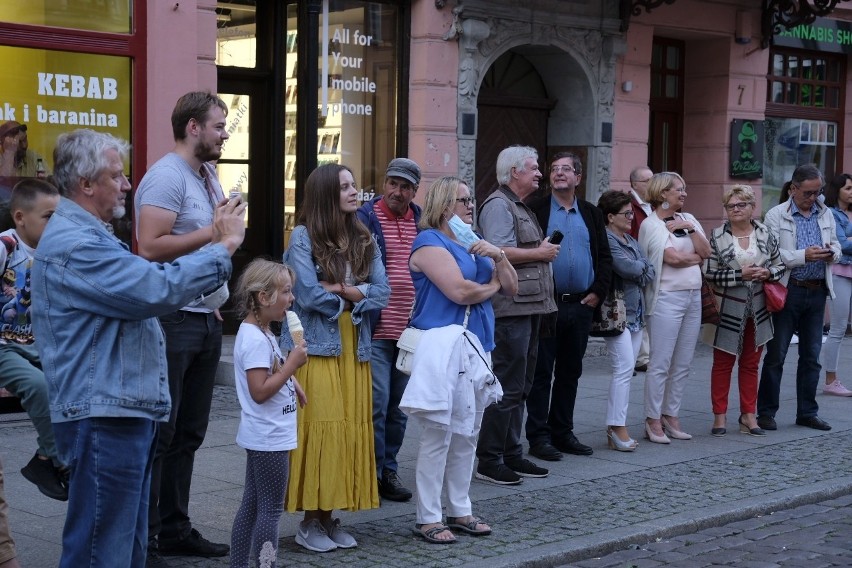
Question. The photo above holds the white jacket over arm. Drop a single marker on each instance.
(450, 380)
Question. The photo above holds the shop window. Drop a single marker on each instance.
(804, 116)
(236, 33)
(805, 81)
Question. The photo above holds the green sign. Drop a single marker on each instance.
(822, 35)
(746, 149)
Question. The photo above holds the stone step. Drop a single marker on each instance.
(225, 372)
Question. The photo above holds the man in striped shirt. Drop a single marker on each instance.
(392, 219)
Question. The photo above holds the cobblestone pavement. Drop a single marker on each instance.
(809, 536)
(588, 507)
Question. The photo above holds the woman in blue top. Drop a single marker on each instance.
(449, 278)
(838, 196)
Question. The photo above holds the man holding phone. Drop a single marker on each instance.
(174, 206)
(581, 271)
(808, 242)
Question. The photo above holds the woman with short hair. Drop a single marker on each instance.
(744, 255)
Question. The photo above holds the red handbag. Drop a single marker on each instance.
(709, 308)
(776, 295)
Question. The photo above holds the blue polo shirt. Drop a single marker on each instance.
(572, 268)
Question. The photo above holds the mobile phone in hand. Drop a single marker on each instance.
(556, 237)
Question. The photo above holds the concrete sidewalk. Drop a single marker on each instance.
(588, 506)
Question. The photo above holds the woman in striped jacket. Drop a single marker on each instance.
(744, 254)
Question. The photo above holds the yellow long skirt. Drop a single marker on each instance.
(334, 465)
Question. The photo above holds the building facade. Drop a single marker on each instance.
(704, 87)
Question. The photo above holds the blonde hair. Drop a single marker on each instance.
(442, 194)
(659, 183)
(744, 192)
(260, 275)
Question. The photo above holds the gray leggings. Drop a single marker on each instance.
(255, 530)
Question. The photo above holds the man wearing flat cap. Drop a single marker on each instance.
(392, 214)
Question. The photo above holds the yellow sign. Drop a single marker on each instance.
(54, 92)
(113, 16)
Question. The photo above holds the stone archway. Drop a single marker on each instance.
(578, 68)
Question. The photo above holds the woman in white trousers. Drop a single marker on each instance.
(634, 271)
(675, 244)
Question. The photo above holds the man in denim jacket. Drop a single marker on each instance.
(95, 308)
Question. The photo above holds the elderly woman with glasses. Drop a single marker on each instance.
(634, 271)
(744, 255)
(455, 274)
(674, 242)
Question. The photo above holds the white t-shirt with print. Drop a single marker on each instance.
(271, 426)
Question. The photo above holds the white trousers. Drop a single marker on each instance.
(839, 310)
(444, 462)
(673, 333)
(623, 350)
(644, 349)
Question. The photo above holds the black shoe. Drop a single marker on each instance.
(643, 368)
(526, 468)
(154, 560)
(390, 487)
(767, 423)
(46, 477)
(194, 545)
(545, 451)
(814, 422)
(499, 474)
(571, 445)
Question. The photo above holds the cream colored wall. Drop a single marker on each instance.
(181, 38)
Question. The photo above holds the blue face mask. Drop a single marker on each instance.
(463, 232)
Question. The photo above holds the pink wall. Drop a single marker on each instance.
(723, 80)
(433, 84)
(181, 38)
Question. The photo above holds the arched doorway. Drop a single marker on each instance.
(513, 108)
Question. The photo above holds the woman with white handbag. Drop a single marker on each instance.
(455, 273)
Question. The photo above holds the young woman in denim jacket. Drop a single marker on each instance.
(838, 196)
(339, 278)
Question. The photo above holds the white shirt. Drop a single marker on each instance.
(271, 426)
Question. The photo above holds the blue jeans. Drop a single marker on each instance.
(193, 347)
(110, 461)
(802, 313)
(21, 374)
(388, 420)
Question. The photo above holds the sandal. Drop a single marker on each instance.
(430, 535)
(469, 527)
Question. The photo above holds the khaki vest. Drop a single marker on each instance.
(535, 279)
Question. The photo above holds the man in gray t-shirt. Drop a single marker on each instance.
(174, 214)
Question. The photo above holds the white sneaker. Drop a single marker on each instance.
(340, 537)
(314, 537)
(836, 388)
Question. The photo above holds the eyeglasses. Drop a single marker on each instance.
(466, 200)
(679, 189)
(809, 194)
(566, 169)
(627, 214)
(741, 205)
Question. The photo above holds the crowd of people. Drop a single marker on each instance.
(119, 382)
